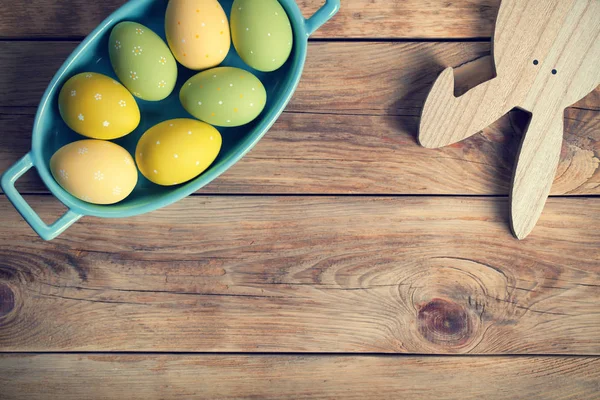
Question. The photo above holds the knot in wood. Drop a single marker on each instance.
(445, 322)
(7, 300)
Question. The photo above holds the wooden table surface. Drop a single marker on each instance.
(338, 259)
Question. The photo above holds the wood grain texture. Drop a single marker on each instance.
(300, 377)
(358, 78)
(334, 139)
(356, 19)
(345, 154)
(546, 55)
(306, 274)
(339, 77)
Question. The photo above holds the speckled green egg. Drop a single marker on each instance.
(224, 96)
(261, 33)
(142, 61)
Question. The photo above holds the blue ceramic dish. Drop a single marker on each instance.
(50, 132)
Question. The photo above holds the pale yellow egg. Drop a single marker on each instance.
(95, 171)
(197, 32)
(176, 151)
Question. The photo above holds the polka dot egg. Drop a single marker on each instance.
(142, 61)
(197, 32)
(224, 96)
(177, 150)
(261, 33)
(95, 171)
(98, 107)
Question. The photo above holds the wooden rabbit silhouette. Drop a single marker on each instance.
(547, 56)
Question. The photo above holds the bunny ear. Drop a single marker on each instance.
(536, 167)
(447, 119)
(432, 133)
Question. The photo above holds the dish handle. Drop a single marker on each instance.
(323, 15)
(46, 232)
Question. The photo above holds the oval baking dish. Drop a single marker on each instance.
(50, 132)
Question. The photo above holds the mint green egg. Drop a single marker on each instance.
(261, 33)
(142, 61)
(224, 96)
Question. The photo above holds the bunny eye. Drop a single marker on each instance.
(535, 62)
(554, 72)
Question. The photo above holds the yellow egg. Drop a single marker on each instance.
(197, 32)
(98, 107)
(176, 151)
(95, 171)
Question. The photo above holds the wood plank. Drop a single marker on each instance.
(296, 376)
(356, 19)
(373, 153)
(340, 77)
(306, 274)
(367, 78)
(345, 154)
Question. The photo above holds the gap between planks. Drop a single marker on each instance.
(316, 354)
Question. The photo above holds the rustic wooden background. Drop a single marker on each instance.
(337, 260)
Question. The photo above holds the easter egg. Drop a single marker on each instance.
(224, 96)
(197, 32)
(142, 61)
(177, 150)
(98, 107)
(261, 33)
(95, 171)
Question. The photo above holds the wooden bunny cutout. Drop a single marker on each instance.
(547, 56)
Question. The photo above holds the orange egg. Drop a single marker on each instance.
(95, 171)
(197, 32)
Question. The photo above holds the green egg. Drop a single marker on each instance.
(142, 61)
(224, 96)
(261, 33)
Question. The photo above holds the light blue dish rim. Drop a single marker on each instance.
(302, 27)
